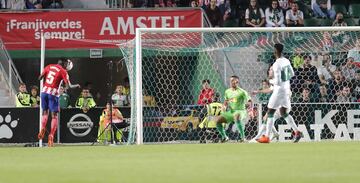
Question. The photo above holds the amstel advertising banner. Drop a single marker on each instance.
(86, 29)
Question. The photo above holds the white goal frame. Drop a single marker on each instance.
(138, 48)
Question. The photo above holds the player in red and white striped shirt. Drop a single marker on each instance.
(53, 75)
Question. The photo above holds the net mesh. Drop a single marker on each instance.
(174, 64)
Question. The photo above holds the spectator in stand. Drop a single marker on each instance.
(33, 4)
(206, 94)
(336, 85)
(340, 36)
(274, 15)
(294, 17)
(85, 100)
(228, 14)
(52, 4)
(327, 43)
(322, 10)
(13, 4)
(355, 53)
(130, 4)
(64, 98)
(119, 98)
(355, 85)
(142, 3)
(204, 4)
(326, 70)
(165, 3)
(254, 15)
(345, 95)
(339, 20)
(35, 98)
(23, 97)
(214, 14)
(194, 4)
(323, 94)
(308, 74)
(348, 69)
(89, 85)
(287, 4)
(126, 88)
(306, 96)
(297, 60)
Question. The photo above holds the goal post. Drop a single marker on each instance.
(170, 63)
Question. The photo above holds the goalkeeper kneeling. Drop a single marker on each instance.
(208, 125)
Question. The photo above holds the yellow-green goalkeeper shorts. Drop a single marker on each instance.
(229, 115)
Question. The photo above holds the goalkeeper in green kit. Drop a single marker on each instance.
(235, 109)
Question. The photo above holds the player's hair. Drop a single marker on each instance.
(34, 87)
(63, 62)
(22, 84)
(306, 88)
(279, 47)
(235, 76)
(205, 81)
(85, 88)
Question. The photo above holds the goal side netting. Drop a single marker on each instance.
(167, 67)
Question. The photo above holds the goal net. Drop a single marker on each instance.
(168, 66)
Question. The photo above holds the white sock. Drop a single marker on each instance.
(261, 131)
(290, 121)
(275, 132)
(269, 125)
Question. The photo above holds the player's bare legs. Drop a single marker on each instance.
(262, 128)
(44, 120)
(219, 126)
(290, 121)
(54, 124)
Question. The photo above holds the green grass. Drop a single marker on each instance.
(221, 163)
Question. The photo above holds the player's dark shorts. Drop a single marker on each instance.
(50, 102)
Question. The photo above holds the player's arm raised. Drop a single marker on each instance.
(265, 90)
(68, 83)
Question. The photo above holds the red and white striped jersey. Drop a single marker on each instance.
(53, 75)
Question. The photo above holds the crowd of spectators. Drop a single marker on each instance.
(327, 82)
(31, 4)
(221, 13)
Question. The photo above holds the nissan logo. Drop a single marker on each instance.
(80, 125)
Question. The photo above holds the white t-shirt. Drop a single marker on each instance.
(273, 17)
(323, 71)
(294, 16)
(283, 72)
(119, 100)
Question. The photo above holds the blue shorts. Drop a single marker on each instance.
(49, 102)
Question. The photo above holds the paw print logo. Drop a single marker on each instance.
(6, 126)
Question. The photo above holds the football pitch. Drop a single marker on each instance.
(181, 163)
